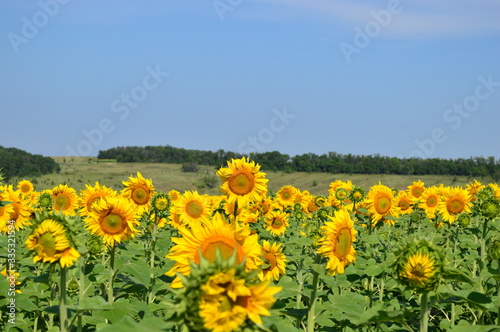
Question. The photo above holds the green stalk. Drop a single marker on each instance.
(498, 293)
(152, 263)
(311, 317)
(111, 273)
(424, 312)
(63, 314)
(81, 292)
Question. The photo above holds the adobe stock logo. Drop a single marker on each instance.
(30, 28)
(122, 106)
(265, 136)
(373, 28)
(455, 115)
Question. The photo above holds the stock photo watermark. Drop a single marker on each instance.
(455, 116)
(277, 123)
(122, 107)
(363, 36)
(11, 272)
(32, 25)
(223, 6)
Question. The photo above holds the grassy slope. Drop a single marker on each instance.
(78, 171)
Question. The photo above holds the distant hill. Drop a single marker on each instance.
(332, 162)
(19, 163)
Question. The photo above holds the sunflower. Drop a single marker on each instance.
(419, 265)
(50, 242)
(65, 199)
(380, 203)
(429, 201)
(25, 187)
(277, 222)
(242, 181)
(336, 243)
(339, 191)
(404, 201)
(160, 204)
(19, 210)
(140, 191)
(114, 219)
(274, 259)
(90, 195)
(229, 300)
(286, 195)
(209, 237)
(416, 189)
(454, 202)
(474, 187)
(192, 208)
(247, 216)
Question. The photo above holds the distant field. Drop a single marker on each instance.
(78, 171)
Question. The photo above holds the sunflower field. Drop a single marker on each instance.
(426, 258)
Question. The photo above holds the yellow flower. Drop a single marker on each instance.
(242, 181)
(275, 260)
(25, 187)
(286, 195)
(336, 243)
(277, 222)
(50, 242)
(404, 201)
(416, 189)
(114, 219)
(192, 208)
(90, 195)
(337, 197)
(65, 199)
(209, 237)
(454, 202)
(19, 210)
(380, 204)
(140, 191)
(429, 201)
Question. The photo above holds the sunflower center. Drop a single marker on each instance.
(382, 204)
(404, 204)
(241, 183)
(161, 204)
(286, 195)
(113, 224)
(243, 301)
(431, 201)
(61, 202)
(224, 245)
(343, 245)
(455, 206)
(277, 223)
(418, 271)
(25, 189)
(417, 192)
(140, 195)
(194, 209)
(271, 260)
(48, 244)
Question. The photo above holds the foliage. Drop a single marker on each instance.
(16, 162)
(331, 162)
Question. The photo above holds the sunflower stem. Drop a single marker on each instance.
(111, 273)
(152, 262)
(311, 318)
(63, 314)
(424, 312)
(81, 292)
(498, 293)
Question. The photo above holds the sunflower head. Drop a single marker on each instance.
(160, 204)
(45, 200)
(220, 295)
(242, 181)
(419, 265)
(52, 240)
(140, 191)
(357, 194)
(25, 187)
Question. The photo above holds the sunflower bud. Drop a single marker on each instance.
(419, 265)
(45, 200)
(464, 219)
(494, 249)
(490, 209)
(357, 194)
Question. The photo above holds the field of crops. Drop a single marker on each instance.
(133, 258)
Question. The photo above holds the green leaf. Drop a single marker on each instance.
(374, 270)
(476, 299)
(138, 271)
(93, 303)
(475, 328)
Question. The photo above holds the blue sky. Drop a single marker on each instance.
(395, 78)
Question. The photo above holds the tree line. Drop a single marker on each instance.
(18, 163)
(331, 162)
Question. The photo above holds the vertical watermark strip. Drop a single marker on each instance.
(11, 272)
